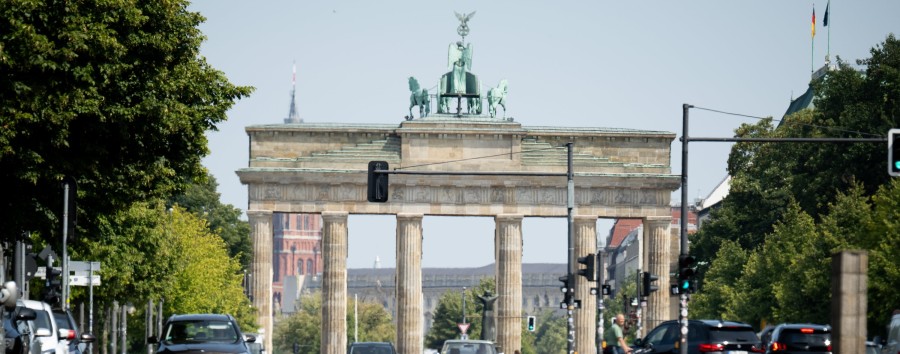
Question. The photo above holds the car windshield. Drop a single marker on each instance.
(468, 348)
(183, 332)
(797, 338)
(371, 349)
(732, 334)
(42, 320)
(62, 320)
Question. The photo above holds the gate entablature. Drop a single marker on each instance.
(315, 167)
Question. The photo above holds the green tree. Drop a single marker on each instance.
(448, 314)
(149, 252)
(719, 285)
(807, 200)
(305, 326)
(203, 199)
(550, 336)
(114, 94)
(881, 237)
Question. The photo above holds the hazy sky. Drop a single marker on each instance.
(620, 64)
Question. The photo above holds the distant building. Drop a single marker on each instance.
(623, 250)
(540, 286)
(296, 256)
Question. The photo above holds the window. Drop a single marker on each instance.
(309, 266)
(300, 267)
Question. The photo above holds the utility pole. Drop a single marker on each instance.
(570, 205)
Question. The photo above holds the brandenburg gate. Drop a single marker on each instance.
(322, 168)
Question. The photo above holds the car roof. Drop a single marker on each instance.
(371, 343)
(200, 317)
(468, 341)
(716, 323)
(35, 305)
(805, 325)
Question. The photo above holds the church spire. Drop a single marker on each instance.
(293, 116)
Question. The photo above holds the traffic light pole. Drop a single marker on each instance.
(570, 205)
(683, 313)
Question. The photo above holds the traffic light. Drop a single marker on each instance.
(531, 323)
(378, 182)
(589, 270)
(567, 290)
(607, 289)
(649, 287)
(685, 272)
(52, 287)
(894, 152)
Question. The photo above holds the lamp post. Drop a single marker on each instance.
(293, 262)
(316, 260)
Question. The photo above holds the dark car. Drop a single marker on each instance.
(704, 336)
(18, 334)
(77, 341)
(807, 338)
(371, 348)
(196, 333)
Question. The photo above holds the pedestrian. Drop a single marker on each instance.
(615, 338)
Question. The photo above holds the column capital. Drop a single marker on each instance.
(585, 218)
(410, 216)
(658, 219)
(334, 216)
(258, 213)
(509, 217)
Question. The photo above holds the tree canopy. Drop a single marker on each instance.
(113, 94)
(305, 326)
(791, 206)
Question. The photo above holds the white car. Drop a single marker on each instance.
(46, 332)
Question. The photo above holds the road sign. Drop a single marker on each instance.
(463, 327)
(78, 280)
(48, 252)
(83, 266)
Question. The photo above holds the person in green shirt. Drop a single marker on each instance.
(615, 338)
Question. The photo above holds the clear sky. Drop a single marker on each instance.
(619, 64)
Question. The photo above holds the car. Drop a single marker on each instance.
(74, 338)
(468, 346)
(371, 348)
(704, 336)
(210, 333)
(872, 347)
(788, 338)
(892, 342)
(46, 334)
(18, 333)
(766, 335)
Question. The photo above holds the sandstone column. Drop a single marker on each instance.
(410, 328)
(849, 300)
(261, 269)
(334, 283)
(585, 318)
(656, 235)
(509, 281)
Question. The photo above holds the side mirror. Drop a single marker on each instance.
(42, 332)
(151, 340)
(88, 338)
(639, 342)
(249, 338)
(25, 314)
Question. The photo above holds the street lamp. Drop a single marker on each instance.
(293, 262)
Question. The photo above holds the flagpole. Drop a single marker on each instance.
(812, 42)
(828, 51)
